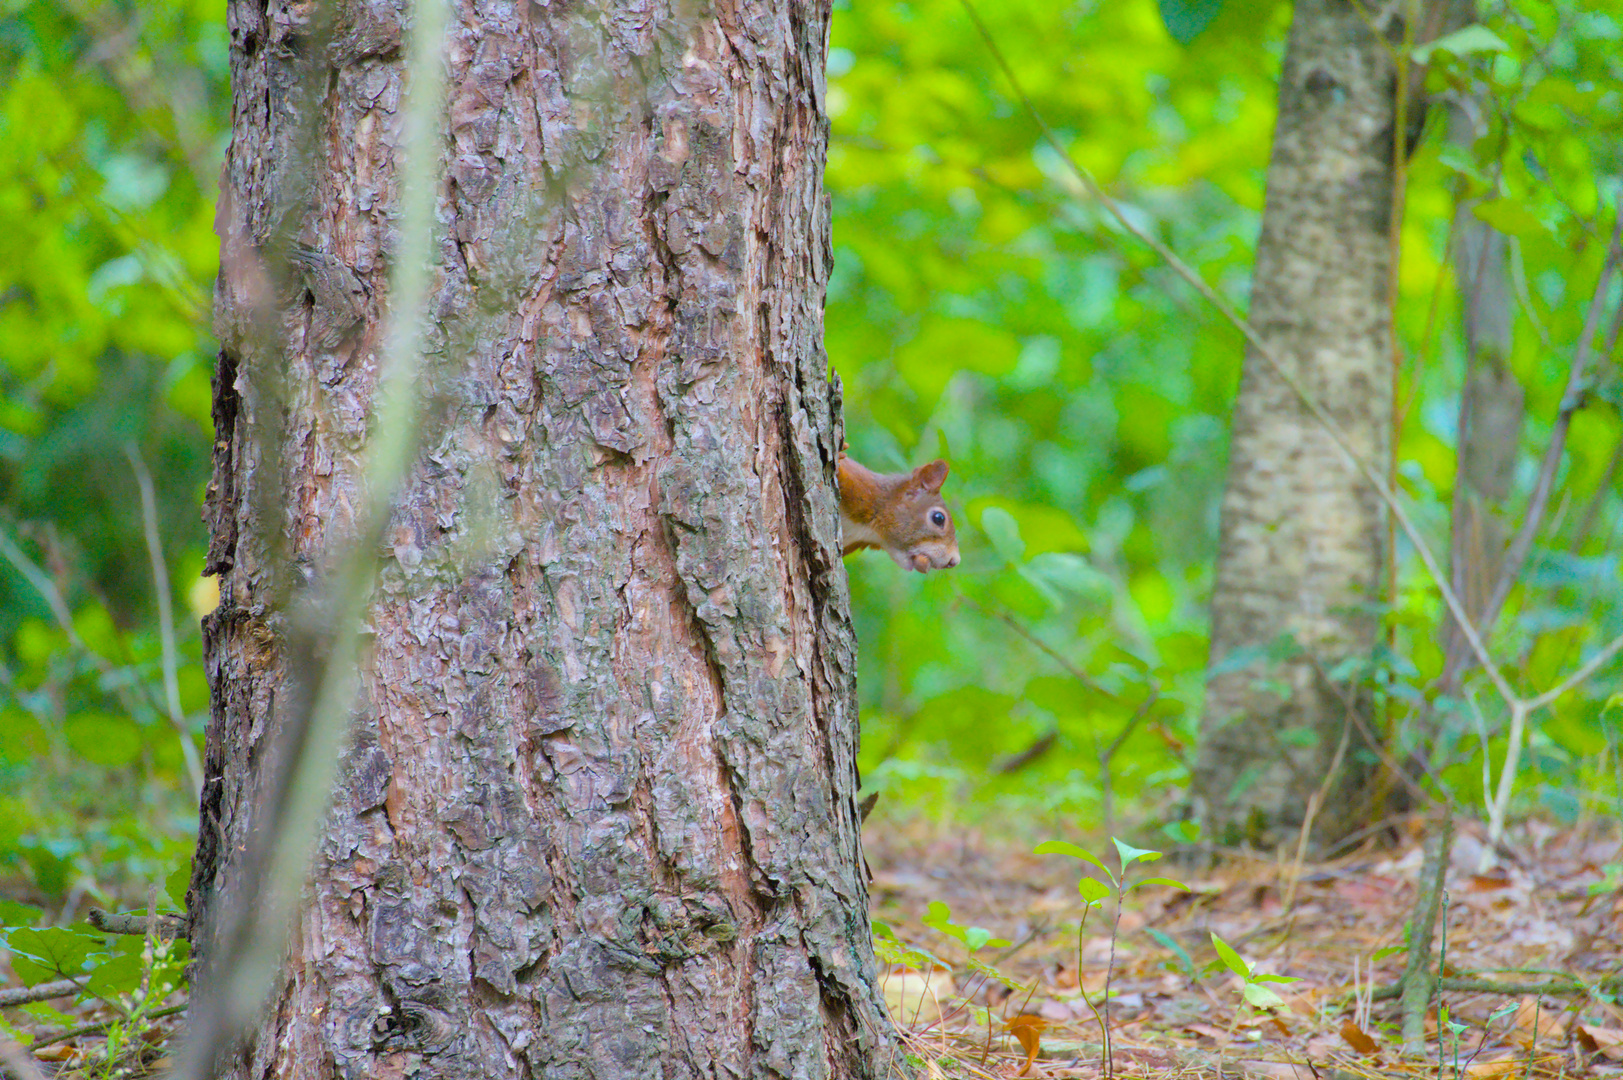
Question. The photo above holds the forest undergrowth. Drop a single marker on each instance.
(1548, 916)
(1260, 967)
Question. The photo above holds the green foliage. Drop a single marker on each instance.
(978, 310)
(982, 308)
(1252, 981)
(972, 938)
(132, 975)
(1094, 893)
(111, 120)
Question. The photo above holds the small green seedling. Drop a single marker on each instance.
(1094, 894)
(1252, 989)
(974, 939)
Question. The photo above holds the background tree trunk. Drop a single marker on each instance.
(598, 819)
(1492, 406)
(1303, 536)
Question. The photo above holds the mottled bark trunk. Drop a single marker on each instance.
(598, 819)
(1491, 402)
(1303, 536)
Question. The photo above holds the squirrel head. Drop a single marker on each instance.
(917, 523)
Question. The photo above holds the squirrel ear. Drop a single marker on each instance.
(931, 476)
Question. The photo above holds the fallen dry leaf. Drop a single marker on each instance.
(1028, 1029)
(1496, 878)
(1600, 1040)
(1538, 1021)
(1488, 1070)
(1358, 1039)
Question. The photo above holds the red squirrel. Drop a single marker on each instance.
(899, 513)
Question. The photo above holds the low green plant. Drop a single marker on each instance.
(938, 917)
(133, 975)
(1094, 894)
(1252, 982)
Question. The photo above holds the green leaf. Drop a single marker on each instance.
(1160, 881)
(1263, 976)
(13, 913)
(1182, 832)
(22, 737)
(945, 346)
(1186, 19)
(1092, 889)
(1130, 854)
(888, 949)
(1065, 847)
(1231, 959)
(1390, 950)
(104, 739)
(96, 629)
(118, 974)
(55, 951)
(1260, 996)
(1511, 217)
(1059, 574)
(176, 884)
(1465, 41)
(938, 915)
(1004, 533)
(1169, 943)
(1298, 736)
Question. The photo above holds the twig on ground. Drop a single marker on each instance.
(1417, 983)
(45, 991)
(163, 925)
(102, 1025)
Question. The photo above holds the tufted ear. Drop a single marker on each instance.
(930, 477)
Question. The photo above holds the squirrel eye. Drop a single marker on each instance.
(938, 519)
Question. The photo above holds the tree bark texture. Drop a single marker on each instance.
(1492, 406)
(598, 817)
(1303, 535)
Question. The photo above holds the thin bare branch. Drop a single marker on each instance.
(42, 583)
(1592, 665)
(45, 991)
(162, 925)
(1572, 399)
(166, 618)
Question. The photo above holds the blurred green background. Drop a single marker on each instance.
(981, 309)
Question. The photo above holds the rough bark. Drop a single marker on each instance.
(598, 818)
(1491, 402)
(1303, 535)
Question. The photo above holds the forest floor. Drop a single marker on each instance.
(1549, 911)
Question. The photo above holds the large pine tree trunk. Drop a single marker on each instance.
(1303, 536)
(598, 819)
